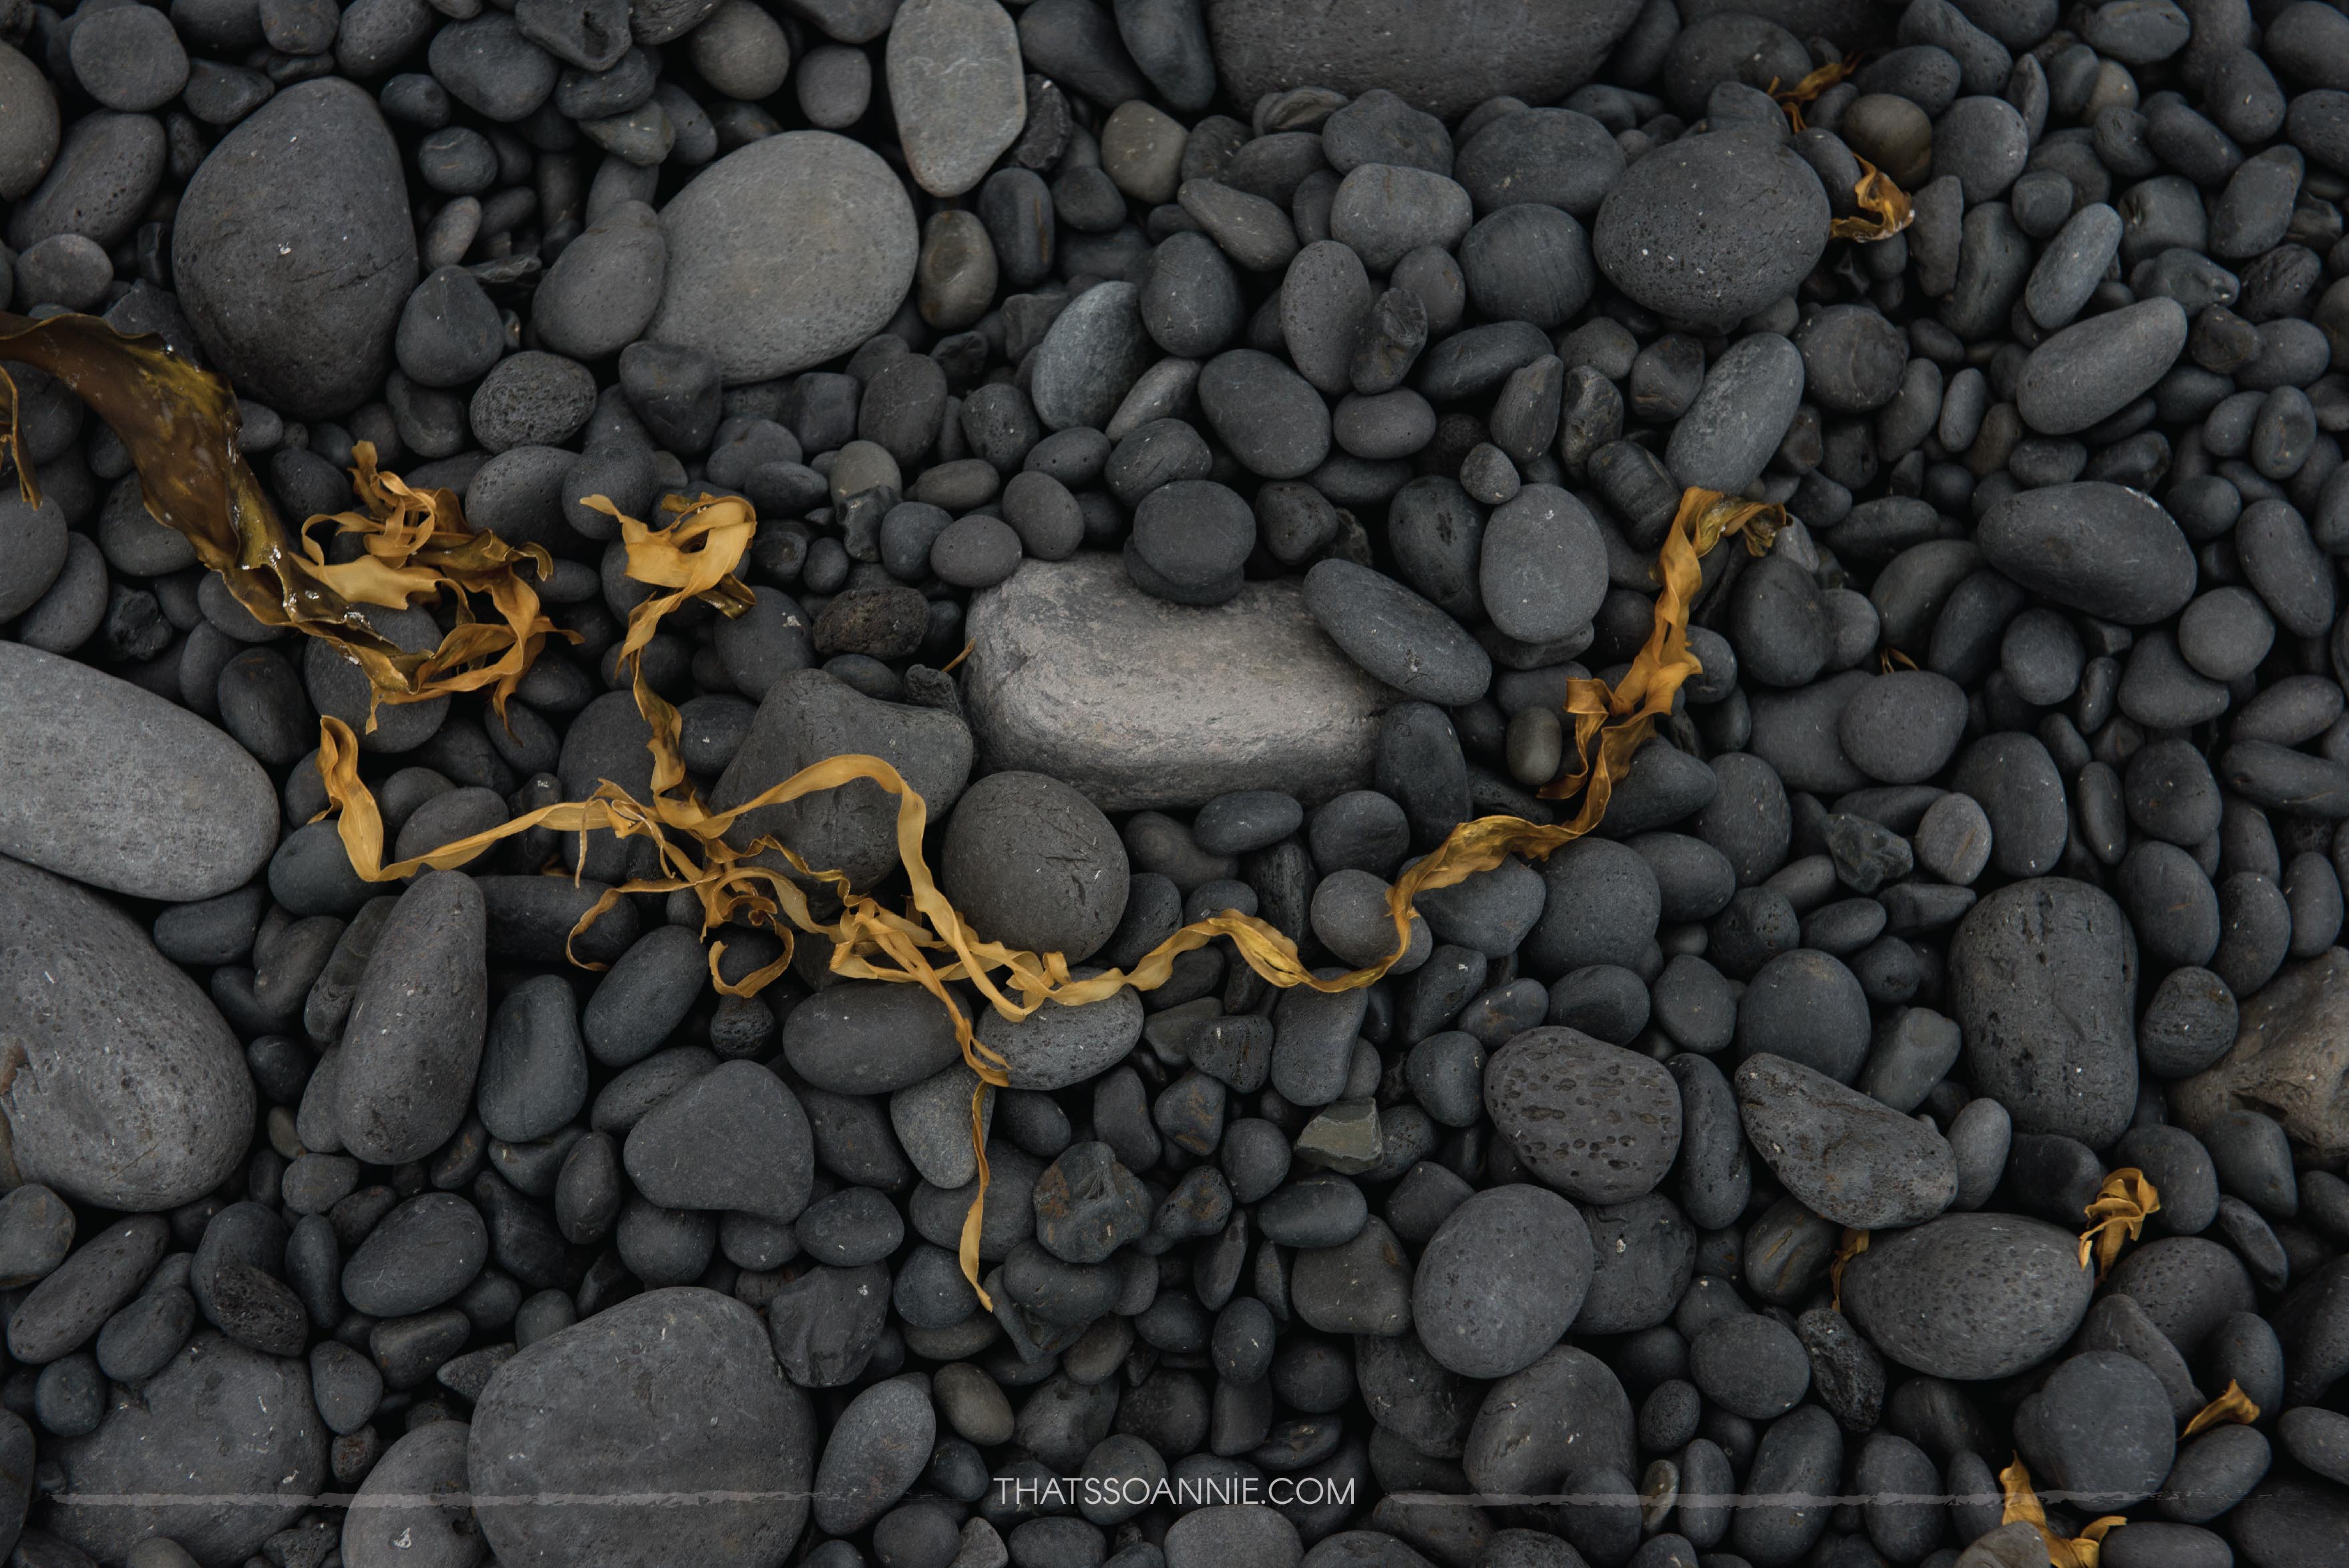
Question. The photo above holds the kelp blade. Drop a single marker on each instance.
(179, 424)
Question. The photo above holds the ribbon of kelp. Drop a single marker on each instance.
(1611, 722)
(696, 555)
(2118, 1213)
(2024, 1507)
(1887, 206)
(170, 414)
(180, 425)
(1793, 99)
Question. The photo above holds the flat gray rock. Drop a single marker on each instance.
(675, 1391)
(109, 784)
(956, 87)
(293, 251)
(2094, 370)
(220, 1421)
(119, 1084)
(784, 253)
(1851, 1158)
(1141, 703)
(2104, 549)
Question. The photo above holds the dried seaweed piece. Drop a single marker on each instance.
(1854, 1243)
(932, 944)
(1876, 194)
(1815, 82)
(2023, 1506)
(2117, 1212)
(2234, 1405)
(180, 426)
(1610, 722)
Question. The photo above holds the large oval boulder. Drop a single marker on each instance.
(105, 782)
(672, 1393)
(784, 253)
(2044, 978)
(1969, 1296)
(1445, 59)
(293, 251)
(222, 1450)
(2104, 549)
(119, 1084)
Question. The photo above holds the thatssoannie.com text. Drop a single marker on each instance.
(1194, 1491)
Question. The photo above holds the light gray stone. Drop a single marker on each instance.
(293, 253)
(1141, 703)
(785, 254)
(109, 784)
(119, 1084)
(956, 87)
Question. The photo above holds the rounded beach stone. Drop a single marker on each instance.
(1501, 1280)
(2043, 978)
(404, 1080)
(1033, 863)
(1711, 228)
(1599, 1123)
(308, 187)
(676, 1390)
(163, 805)
(1969, 1296)
(129, 1090)
(785, 254)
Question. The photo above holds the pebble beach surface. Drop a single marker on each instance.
(1203, 446)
